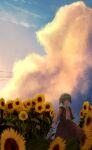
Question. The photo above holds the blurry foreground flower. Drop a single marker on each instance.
(57, 144)
(2, 103)
(10, 139)
(86, 140)
(23, 115)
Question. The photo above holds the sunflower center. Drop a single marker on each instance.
(81, 113)
(11, 144)
(33, 103)
(89, 108)
(56, 147)
(47, 106)
(28, 104)
(17, 103)
(2, 103)
(23, 116)
(88, 121)
(39, 99)
(39, 107)
(83, 140)
(85, 107)
(10, 106)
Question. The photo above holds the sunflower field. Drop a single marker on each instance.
(86, 125)
(24, 125)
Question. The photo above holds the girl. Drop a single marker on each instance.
(66, 128)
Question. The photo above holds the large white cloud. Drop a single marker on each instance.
(66, 41)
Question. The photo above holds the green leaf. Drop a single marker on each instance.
(35, 120)
(8, 124)
(38, 127)
(47, 120)
(40, 116)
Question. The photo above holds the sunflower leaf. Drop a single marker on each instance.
(35, 120)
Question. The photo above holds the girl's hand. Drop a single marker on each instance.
(52, 125)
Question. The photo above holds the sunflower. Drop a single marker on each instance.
(23, 115)
(85, 106)
(40, 98)
(9, 106)
(17, 104)
(23, 106)
(88, 119)
(52, 113)
(27, 105)
(2, 103)
(90, 107)
(57, 144)
(86, 140)
(33, 102)
(10, 139)
(39, 108)
(82, 113)
(48, 106)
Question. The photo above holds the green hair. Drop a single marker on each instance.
(64, 97)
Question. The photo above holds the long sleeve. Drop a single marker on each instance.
(72, 117)
(57, 117)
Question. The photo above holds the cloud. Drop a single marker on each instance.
(66, 40)
(3, 75)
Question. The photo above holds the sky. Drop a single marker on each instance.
(31, 33)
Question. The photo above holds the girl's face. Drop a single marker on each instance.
(66, 103)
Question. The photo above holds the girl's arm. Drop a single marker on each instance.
(72, 117)
(56, 118)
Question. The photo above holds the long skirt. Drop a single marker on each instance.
(68, 130)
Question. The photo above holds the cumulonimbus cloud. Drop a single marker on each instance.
(66, 40)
